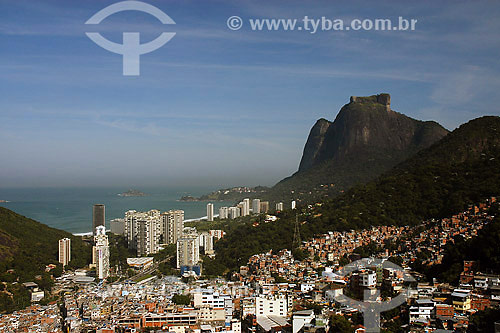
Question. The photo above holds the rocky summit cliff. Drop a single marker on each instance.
(364, 126)
(366, 139)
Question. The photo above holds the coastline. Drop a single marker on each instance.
(70, 209)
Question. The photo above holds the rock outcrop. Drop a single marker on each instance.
(366, 139)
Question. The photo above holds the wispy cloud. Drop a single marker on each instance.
(469, 92)
(150, 129)
(216, 98)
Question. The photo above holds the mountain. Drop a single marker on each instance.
(27, 246)
(366, 139)
(441, 180)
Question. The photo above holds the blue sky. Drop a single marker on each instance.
(217, 107)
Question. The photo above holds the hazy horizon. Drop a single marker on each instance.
(215, 107)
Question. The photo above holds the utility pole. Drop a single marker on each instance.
(296, 233)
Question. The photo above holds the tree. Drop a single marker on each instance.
(212, 267)
(180, 299)
(339, 324)
(396, 260)
(484, 321)
(57, 271)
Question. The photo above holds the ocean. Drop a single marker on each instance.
(70, 209)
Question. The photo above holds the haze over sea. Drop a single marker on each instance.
(70, 209)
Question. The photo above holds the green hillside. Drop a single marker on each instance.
(483, 249)
(460, 169)
(443, 179)
(26, 247)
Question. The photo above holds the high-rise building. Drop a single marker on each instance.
(117, 226)
(143, 231)
(210, 212)
(223, 213)
(233, 212)
(98, 216)
(172, 226)
(64, 251)
(101, 253)
(131, 225)
(246, 207)
(148, 236)
(241, 208)
(256, 206)
(264, 207)
(206, 242)
(188, 248)
(294, 204)
(279, 206)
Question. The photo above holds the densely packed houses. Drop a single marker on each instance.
(275, 292)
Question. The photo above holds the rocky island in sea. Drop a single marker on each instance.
(188, 198)
(132, 193)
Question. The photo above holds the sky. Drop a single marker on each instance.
(217, 107)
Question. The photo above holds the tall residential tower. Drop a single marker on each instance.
(101, 253)
(98, 216)
(64, 251)
(210, 212)
(172, 225)
(188, 248)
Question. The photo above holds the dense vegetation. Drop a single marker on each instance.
(441, 180)
(167, 260)
(26, 247)
(483, 249)
(13, 297)
(181, 299)
(119, 251)
(484, 321)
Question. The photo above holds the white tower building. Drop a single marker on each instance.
(233, 212)
(101, 252)
(207, 242)
(188, 248)
(148, 237)
(210, 212)
(256, 206)
(223, 213)
(173, 224)
(64, 251)
(246, 207)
